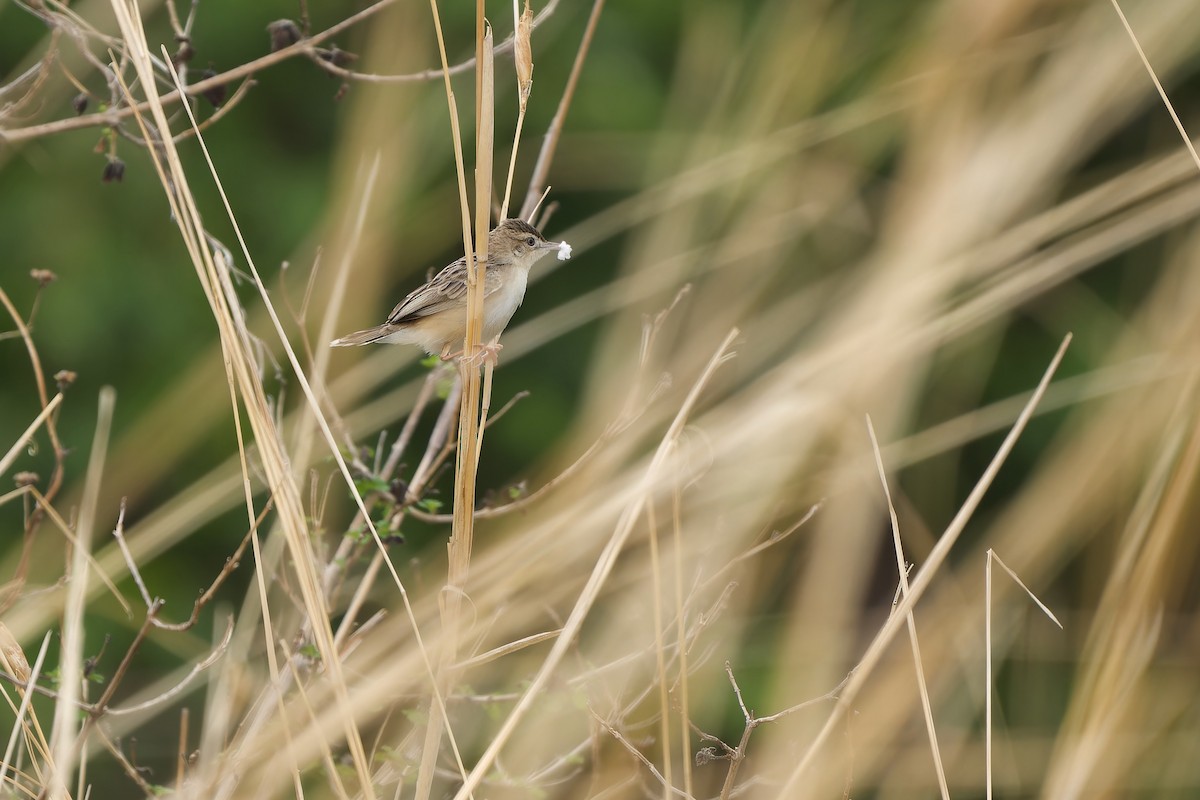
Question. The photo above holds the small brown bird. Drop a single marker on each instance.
(434, 316)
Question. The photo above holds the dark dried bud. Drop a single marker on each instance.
(43, 276)
(215, 95)
(185, 53)
(114, 170)
(64, 378)
(283, 33)
(392, 537)
(399, 488)
(338, 57)
(26, 478)
(80, 103)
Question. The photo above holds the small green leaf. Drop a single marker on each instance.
(415, 715)
(369, 484)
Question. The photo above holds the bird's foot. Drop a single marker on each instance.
(486, 353)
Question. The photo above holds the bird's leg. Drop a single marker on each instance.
(486, 352)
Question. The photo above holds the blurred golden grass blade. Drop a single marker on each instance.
(1128, 621)
(305, 434)
(1075, 390)
(924, 577)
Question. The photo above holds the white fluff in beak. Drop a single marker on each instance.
(564, 251)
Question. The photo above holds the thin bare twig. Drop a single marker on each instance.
(304, 48)
(737, 755)
(647, 763)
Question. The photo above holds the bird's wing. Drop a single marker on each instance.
(447, 291)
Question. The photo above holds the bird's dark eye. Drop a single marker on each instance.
(531, 241)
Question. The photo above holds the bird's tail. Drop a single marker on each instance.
(362, 337)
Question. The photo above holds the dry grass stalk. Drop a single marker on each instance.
(918, 665)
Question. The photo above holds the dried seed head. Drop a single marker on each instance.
(43, 276)
(64, 378)
(337, 56)
(283, 33)
(215, 95)
(523, 53)
(80, 103)
(12, 656)
(114, 170)
(185, 53)
(26, 479)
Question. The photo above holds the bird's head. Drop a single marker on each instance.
(517, 242)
